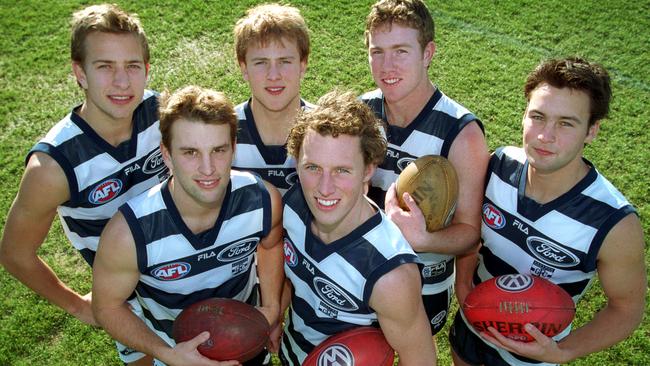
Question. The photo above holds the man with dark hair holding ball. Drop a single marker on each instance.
(207, 231)
(548, 212)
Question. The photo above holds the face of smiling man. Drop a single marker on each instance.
(333, 176)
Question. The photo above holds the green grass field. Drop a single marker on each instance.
(485, 50)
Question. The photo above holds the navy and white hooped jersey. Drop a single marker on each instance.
(558, 240)
(179, 268)
(432, 132)
(268, 161)
(102, 177)
(332, 283)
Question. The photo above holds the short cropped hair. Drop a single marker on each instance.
(195, 104)
(340, 113)
(407, 13)
(107, 18)
(578, 74)
(268, 23)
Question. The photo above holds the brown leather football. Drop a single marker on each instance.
(432, 182)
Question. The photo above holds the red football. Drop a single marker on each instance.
(362, 346)
(508, 302)
(238, 331)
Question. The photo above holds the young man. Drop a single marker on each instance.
(98, 156)
(421, 120)
(272, 46)
(548, 212)
(348, 265)
(206, 222)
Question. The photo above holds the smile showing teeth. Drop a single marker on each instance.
(391, 81)
(120, 97)
(206, 183)
(327, 203)
(274, 90)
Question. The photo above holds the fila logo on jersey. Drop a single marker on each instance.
(404, 162)
(551, 253)
(238, 250)
(336, 355)
(493, 217)
(105, 192)
(154, 163)
(434, 270)
(333, 295)
(290, 257)
(171, 271)
(514, 282)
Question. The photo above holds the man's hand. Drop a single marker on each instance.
(186, 353)
(411, 223)
(542, 349)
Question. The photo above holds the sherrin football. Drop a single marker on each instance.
(432, 182)
(238, 331)
(508, 302)
(362, 346)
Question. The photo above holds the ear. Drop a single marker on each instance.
(303, 68)
(167, 157)
(244, 70)
(428, 52)
(370, 171)
(147, 67)
(80, 75)
(592, 132)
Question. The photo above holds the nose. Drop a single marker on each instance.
(273, 71)
(121, 78)
(326, 185)
(387, 61)
(547, 133)
(206, 165)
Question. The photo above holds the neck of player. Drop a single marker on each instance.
(273, 126)
(403, 111)
(544, 187)
(198, 217)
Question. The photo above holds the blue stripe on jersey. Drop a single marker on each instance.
(85, 228)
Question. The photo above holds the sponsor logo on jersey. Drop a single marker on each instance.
(290, 257)
(154, 163)
(334, 295)
(492, 217)
(291, 178)
(336, 355)
(105, 192)
(171, 271)
(434, 270)
(551, 253)
(404, 162)
(514, 282)
(439, 318)
(240, 249)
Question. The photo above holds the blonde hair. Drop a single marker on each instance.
(268, 23)
(107, 18)
(408, 13)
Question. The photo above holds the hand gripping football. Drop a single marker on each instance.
(508, 302)
(238, 331)
(432, 182)
(362, 346)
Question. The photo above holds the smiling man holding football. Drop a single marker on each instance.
(548, 212)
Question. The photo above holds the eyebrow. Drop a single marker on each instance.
(571, 118)
(100, 61)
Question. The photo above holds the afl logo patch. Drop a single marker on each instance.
(336, 355)
(492, 217)
(514, 282)
(171, 271)
(238, 250)
(333, 295)
(105, 192)
(154, 163)
(290, 257)
(404, 162)
(551, 253)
